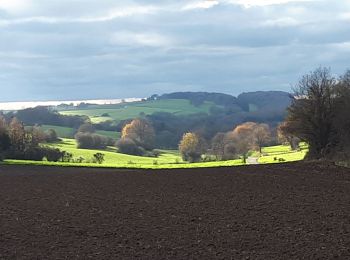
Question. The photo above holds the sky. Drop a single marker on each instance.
(99, 49)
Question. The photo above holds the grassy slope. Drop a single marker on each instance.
(167, 160)
(67, 132)
(132, 110)
(282, 152)
(113, 159)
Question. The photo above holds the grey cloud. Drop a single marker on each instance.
(223, 48)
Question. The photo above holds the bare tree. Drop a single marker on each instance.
(311, 114)
(17, 135)
(218, 145)
(261, 134)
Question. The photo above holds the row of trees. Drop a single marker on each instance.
(233, 144)
(18, 142)
(319, 114)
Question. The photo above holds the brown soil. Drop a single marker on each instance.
(289, 211)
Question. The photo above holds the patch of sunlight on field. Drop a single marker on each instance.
(169, 159)
(133, 110)
(130, 165)
(111, 156)
(282, 153)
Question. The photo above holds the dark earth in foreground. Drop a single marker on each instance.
(287, 211)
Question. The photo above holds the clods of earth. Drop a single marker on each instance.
(286, 211)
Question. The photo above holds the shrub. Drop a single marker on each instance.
(51, 136)
(156, 153)
(35, 154)
(86, 128)
(91, 141)
(80, 159)
(66, 157)
(99, 158)
(53, 154)
(128, 146)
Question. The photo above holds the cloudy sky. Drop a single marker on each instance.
(89, 49)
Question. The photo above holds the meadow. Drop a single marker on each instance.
(168, 159)
(282, 153)
(118, 112)
(67, 132)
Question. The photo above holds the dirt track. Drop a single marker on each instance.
(290, 211)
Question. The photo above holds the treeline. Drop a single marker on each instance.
(17, 142)
(170, 128)
(234, 144)
(319, 115)
(138, 138)
(42, 115)
(27, 143)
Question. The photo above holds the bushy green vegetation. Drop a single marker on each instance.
(124, 111)
(68, 132)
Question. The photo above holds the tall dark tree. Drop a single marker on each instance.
(5, 141)
(311, 113)
(341, 117)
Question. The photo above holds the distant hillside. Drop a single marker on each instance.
(264, 100)
(276, 101)
(198, 98)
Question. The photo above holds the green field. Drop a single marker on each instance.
(167, 160)
(132, 110)
(274, 154)
(62, 132)
(67, 132)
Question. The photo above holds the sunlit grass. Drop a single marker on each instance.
(168, 159)
(282, 153)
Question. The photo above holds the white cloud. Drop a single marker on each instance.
(109, 16)
(281, 22)
(252, 3)
(201, 5)
(344, 16)
(149, 39)
(15, 6)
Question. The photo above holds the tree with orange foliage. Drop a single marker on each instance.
(141, 132)
(243, 138)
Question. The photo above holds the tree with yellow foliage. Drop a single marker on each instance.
(191, 147)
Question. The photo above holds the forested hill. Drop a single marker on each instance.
(275, 101)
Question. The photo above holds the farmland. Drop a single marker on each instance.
(290, 211)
